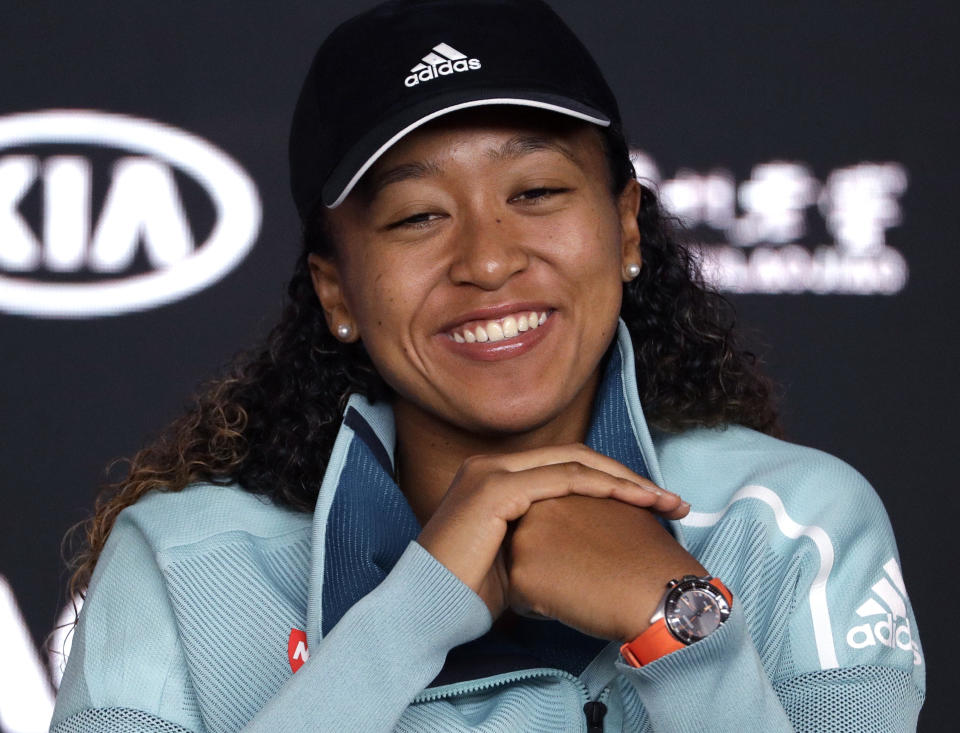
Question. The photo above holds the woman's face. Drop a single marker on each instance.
(453, 241)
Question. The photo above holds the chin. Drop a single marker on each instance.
(510, 417)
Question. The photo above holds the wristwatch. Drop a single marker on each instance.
(691, 608)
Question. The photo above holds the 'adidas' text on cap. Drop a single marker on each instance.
(393, 68)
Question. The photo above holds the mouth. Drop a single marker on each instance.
(516, 331)
(499, 329)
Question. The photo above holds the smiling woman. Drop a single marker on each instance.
(493, 233)
(515, 472)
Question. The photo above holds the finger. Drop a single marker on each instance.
(668, 503)
(678, 513)
(580, 453)
(512, 492)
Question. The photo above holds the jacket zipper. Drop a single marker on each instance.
(594, 710)
(462, 688)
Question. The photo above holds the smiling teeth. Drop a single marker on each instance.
(501, 329)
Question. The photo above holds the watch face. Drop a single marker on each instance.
(693, 613)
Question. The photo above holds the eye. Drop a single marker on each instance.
(534, 195)
(417, 221)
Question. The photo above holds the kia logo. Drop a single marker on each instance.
(81, 263)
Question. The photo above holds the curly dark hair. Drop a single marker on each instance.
(269, 424)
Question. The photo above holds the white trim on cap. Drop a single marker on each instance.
(463, 105)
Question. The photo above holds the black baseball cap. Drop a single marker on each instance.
(389, 70)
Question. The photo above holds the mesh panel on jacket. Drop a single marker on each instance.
(115, 720)
(866, 699)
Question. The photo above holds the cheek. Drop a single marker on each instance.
(589, 247)
(385, 296)
(376, 306)
(596, 271)
(374, 301)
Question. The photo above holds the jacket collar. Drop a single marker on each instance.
(362, 522)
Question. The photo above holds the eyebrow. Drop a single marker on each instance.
(521, 145)
(516, 147)
(402, 172)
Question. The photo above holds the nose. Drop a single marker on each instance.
(487, 253)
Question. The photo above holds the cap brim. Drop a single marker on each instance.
(377, 141)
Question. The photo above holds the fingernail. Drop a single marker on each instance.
(684, 504)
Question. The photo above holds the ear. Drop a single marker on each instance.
(628, 208)
(325, 275)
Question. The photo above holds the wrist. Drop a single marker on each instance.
(690, 609)
(647, 593)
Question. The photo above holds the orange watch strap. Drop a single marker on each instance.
(657, 641)
(723, 589)
(653, 643)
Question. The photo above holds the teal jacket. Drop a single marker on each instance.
(205, 601)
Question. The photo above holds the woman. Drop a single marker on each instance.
(437, 499)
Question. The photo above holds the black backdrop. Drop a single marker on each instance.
(707, 89)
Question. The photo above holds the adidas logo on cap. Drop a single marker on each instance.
(441, 61)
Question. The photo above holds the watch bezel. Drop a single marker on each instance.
(671, 613)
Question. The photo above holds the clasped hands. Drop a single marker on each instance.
(562, 532)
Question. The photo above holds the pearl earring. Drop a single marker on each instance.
(632, 270)
(344, 331)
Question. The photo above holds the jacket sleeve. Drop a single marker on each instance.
(127, 670)
(839, 639)
(409, 622)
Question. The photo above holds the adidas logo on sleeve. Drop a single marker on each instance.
(441, 61)
(888, 602)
